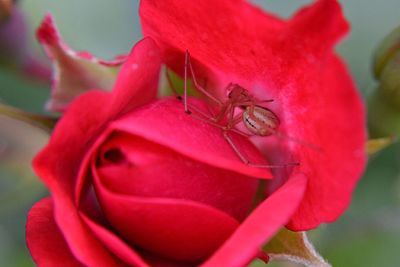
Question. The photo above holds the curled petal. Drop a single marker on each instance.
(114, 243)
(174, 228)
(245, 243)
(131, 165)
(44, 239)
(58, 163)
(166, 123)
(74, 72)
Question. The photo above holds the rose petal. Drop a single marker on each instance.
(262, 45)
(174, 228)
(166, 123)
(315, 29)
(223, 34)
(291, 62)
(83, 245)
(74, 72)
(135, 86)
(340, 131)
(114, 243)
(58, 163)
(44, 239)
(131, 165)
(158, 261)
(86, 117)
(245, 243)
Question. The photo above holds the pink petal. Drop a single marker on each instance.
(246, 242)
(74, 72)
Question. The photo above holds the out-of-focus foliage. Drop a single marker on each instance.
(367, 235)
(384, 103)
(376, 145)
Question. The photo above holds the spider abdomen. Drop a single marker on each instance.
(260, 121)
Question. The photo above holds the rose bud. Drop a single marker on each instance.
(384, 102)
(136, 181)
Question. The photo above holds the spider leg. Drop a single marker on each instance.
(211, 120)
(247, 162)
(188, 65)
(190, 107)
(236, 120)
(298, 141)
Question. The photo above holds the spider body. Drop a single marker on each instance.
(239, 107)
(260, 121)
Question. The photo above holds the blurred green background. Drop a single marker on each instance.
(367, 235)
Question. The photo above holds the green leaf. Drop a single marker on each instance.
(294, 247)
(376, 145)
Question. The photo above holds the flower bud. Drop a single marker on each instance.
(387, 50)
(384, 103)
(383, 118)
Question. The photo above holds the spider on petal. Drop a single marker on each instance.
(239, 107)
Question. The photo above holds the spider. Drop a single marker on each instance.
(258, 120)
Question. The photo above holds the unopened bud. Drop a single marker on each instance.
(386, 52)
(384, 103)
(390, 81)
(387, 67)
(383, 118)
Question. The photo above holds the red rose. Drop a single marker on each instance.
(290, 61)
(135, 181)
